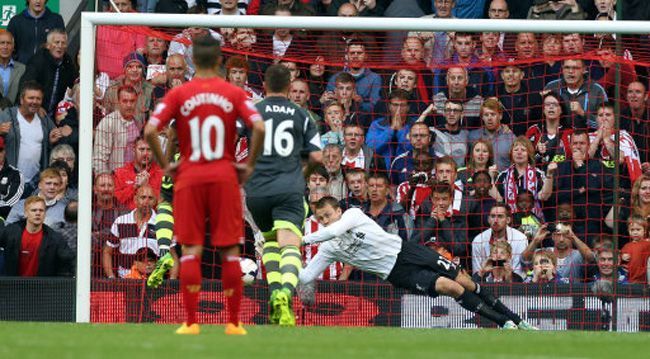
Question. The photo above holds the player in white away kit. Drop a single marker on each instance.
(353, 238)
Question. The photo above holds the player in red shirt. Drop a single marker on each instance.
(206, 176)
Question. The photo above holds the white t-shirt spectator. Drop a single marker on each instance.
(31, 145)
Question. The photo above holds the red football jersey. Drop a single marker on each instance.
(206, 111)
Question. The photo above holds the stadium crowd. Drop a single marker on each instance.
(499, 150)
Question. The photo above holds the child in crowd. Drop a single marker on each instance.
(544, 269)
(143, 265)
(634, 254)
(524, 219)
(334, 114)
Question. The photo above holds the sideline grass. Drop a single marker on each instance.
(125, 341)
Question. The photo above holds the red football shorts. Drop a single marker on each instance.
(220, 203)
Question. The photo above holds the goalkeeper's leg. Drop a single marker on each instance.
(164, 234)
(466, 281)
(469, 300)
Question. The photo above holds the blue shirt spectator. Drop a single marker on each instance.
(469, 9)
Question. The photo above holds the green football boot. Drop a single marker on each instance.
(164, 264)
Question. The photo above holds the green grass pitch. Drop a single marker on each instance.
(126, 341)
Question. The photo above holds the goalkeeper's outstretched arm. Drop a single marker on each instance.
(316, 266)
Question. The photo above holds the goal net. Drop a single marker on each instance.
(464, 136)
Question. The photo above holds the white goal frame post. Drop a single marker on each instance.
(89, 21)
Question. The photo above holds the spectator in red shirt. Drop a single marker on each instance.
(133, 175)
(635, 254)
(33, 249)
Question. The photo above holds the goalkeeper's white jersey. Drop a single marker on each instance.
(357, 240)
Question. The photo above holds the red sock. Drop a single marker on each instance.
(232, 286)
(190, 285)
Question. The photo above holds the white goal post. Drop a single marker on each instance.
(89, 21)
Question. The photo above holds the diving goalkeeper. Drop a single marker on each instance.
(353, 238)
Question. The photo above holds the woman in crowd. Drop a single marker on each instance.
(522, 175)
(481, 158)
(549, 137)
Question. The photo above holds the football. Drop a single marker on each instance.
(248, 270)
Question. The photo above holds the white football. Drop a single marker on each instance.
(248, 270)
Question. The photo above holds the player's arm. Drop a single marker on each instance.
(172, 147)
(257, 140)
(312, 141)
(349, 220)
(252, 119)
(164, 112)
(316, 265)
(151, 135)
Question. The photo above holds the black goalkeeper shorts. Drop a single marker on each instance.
(418, 268)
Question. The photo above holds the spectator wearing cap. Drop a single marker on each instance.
(27, 135)
(10, 70)
(32, 248)
(31, 27)
(114, 43)
(11, 184)
(133, 76)
(53, 68)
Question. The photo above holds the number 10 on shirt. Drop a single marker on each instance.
(201, 132)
